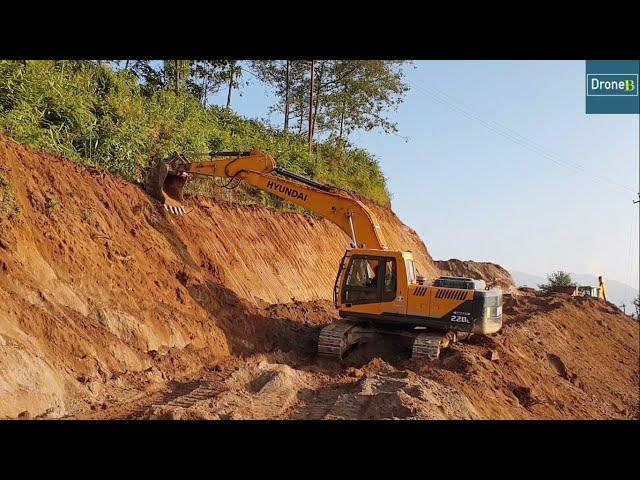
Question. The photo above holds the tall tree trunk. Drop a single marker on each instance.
(286, 99)
(310, 131)
(344, 100)
(126, 66)
(176, 77)
(231, 72)
(315, 108)
(301, 106)
(205, 86)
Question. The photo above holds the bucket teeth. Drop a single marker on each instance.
(166, 186)
(175, 209)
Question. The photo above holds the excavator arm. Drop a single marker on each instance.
(166, 180)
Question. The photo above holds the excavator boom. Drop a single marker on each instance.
(166, 181)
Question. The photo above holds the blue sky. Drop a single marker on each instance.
(499, 192)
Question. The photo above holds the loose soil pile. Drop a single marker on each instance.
(110, 308)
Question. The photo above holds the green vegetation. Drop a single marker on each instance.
(95, 115)
(8, 204)
(51, 204)
(557, 279)
(348, 94)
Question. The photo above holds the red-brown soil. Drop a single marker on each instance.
(493, 274)
(110, 308)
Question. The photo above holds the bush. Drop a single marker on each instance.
(557, 279)
(94, 115)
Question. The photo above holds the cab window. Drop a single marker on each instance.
(389, 290)
(370, 280)
(411, 271)
(363, 273)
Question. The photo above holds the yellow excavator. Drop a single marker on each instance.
(377, 291)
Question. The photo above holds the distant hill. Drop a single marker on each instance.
(618, 292)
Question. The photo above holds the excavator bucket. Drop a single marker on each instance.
(165, 185)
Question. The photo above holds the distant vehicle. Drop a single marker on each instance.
(588, 291)
(577, 290)
(568, 289)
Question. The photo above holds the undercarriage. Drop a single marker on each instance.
(339, 337)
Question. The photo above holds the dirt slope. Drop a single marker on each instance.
(111, 309)
(94, 275)
(557, 357)
(491, 273)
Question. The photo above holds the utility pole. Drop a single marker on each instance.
(311, 108)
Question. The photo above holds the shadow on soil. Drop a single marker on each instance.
(249, 330)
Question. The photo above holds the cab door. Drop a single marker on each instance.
(370, 285)
(394, 295)
(361, 285)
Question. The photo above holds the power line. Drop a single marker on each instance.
(514, 136)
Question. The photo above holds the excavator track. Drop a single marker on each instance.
(429, 345)
(204, 391)
(333, 339)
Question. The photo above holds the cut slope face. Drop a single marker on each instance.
(94, 275)
(260, 254)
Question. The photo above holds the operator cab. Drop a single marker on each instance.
(382, 286)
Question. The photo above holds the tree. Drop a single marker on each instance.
(311, 107)
(557, 279)
(287, 78)
(287, 91)
(176, 73)
(636, 303)
(358, 95)
(151, 77)
(347, 94)
(233, 73)
(207, 77)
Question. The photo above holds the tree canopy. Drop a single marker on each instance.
(348, 95)
(557, 279)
